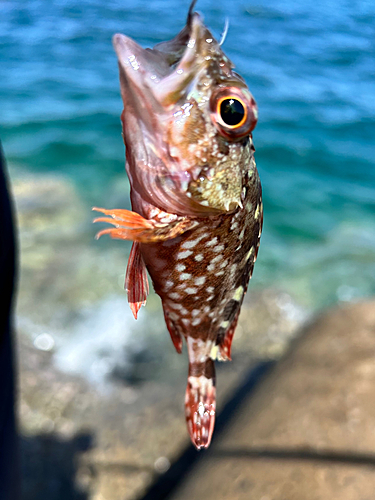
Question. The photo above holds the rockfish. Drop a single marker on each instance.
(196, 198)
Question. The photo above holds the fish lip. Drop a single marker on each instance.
(136, 93)
(128, 51)
(131, 58)
(166, 70)
(122, 42)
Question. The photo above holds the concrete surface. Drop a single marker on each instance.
(308, 432)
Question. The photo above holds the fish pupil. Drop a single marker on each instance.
(231, 111)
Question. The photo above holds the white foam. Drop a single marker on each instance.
(105, 337)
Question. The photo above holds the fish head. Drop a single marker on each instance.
(187, 120)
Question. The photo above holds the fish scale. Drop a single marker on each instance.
(176, 253)
(215, 313)
(196, 198)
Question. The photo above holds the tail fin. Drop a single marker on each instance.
(200, 402)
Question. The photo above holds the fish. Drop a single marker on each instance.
(196, 198)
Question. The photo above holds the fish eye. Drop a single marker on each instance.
(232, 111)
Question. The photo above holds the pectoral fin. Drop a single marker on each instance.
(132, 226)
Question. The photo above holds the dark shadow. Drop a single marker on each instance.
(9, 458)
(165, 485)
(49, 466)
(304, 454)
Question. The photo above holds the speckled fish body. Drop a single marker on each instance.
(196, 198)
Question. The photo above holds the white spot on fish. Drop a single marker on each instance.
(173, 316)
(168, 285)
(233, 269)
(189, 244)
(212, 242)
(178, 307)
(199, 281)
(198, 349)
(166, 218)
(198, 257)
(210, 289)
(219, 248)
(134, 63)
(257, 212)
(216, 259)
(180, 267)
(201, 382)
(238, 293)
(201, 410)
(249, 253)
(185, 276)
(214, 352)
(190, 290)
(174, 295)
(195, 321)
(183, 255)
(192, 243)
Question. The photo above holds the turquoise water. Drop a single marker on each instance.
(310, 65)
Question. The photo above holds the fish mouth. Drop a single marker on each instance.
(161, 76)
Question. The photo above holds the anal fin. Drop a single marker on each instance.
(136, 282)
(226, 343)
